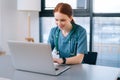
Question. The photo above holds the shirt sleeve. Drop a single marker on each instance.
(51, 38)
(82, 42)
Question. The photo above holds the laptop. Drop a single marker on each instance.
(34, 57)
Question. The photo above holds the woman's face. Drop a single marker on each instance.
(62, 20)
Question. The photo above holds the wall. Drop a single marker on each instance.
(0, 25)
(13, 24)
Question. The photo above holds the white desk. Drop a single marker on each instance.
(76, 72)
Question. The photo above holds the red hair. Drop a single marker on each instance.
(65, 9)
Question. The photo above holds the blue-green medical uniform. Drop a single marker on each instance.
(74, 43)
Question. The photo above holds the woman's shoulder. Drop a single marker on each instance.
(79, 27)
(54, 29)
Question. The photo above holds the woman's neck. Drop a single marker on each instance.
(66, 30)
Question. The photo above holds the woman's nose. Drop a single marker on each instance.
(58, 23)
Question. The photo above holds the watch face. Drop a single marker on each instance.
(118, 78)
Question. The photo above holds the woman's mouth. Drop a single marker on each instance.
(61, 26)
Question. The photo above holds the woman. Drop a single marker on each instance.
(68, 38)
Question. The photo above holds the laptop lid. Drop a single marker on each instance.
(35, 57)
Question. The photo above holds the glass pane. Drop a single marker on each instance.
(76, 4)
(107, 40)
(49, 22)
(106, 6)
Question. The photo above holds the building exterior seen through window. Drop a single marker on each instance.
(107, 39)
(76, 4)
(106, 6)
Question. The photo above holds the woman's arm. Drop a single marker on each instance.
(71, 60)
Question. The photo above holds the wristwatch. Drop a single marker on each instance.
(64, 60)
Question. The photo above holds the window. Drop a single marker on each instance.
(102, 23)
(80, 7)
(76, 4)
(107, 40)
(106, 6)
(106, 32)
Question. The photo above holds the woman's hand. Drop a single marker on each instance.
(58, 60)
(71, 60)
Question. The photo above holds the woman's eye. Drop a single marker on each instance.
(56, 19)
(63, 20)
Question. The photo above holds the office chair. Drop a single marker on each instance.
(90, 58)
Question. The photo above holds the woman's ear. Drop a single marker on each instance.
(71, 18)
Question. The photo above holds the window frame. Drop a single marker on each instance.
(76, 12)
